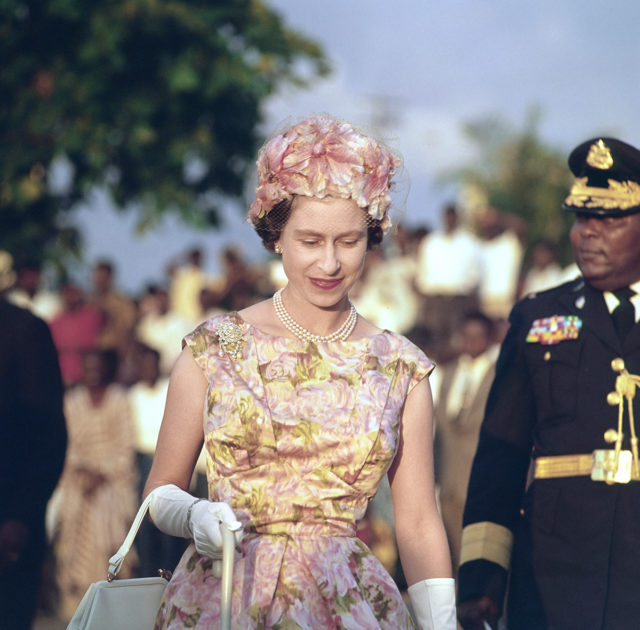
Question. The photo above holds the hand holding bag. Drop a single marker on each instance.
(133, 604)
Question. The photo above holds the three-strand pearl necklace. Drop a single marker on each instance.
(303, 334)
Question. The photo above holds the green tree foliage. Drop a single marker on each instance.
(157, 101)
(521, 175)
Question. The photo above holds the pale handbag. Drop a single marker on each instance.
(133, 604)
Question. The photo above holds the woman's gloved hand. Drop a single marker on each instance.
(177, 513)
(434, 603)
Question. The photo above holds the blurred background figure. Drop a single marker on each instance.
(32, 448)
(187, 278)
(502, 235)
(460, 399)
(119, 314)
(210, 302)
(147, 397)
(161, 328)
(28, 291)
(75, 330)
(385, 294)
(97, 495)
(240, 284)
(276, 274)
(544, 270)
(447, 275)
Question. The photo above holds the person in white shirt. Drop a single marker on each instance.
(160, 326)
(147, 398)
(502, 250)
(545, 271)
(448, 275)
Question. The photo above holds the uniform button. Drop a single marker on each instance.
(547, 355)
(617, 365)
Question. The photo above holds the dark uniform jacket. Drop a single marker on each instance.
(32, 426)
(575, 561)
(32, 449)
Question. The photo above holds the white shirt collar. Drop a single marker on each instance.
(612, 301)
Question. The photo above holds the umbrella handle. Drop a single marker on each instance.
(226, 588)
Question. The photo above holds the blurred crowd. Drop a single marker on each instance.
(449, 290)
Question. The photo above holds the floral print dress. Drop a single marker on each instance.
(298, 436)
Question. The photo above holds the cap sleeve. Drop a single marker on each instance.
(422, 366)
(203, 341)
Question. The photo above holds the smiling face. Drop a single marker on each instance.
(607, 249)
(324, 244)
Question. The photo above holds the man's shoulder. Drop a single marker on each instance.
(21, 331)
(11, 314)
(540, 298)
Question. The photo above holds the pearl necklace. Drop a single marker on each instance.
(303, 334)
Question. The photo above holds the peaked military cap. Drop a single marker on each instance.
(607, 178)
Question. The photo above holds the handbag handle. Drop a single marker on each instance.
(116, 560)
(228, 550)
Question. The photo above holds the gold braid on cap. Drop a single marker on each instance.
(619, 195)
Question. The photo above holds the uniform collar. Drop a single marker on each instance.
(612, 301)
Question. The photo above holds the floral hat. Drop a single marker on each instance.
(321, 157)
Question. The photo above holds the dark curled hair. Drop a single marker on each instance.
(270, 226)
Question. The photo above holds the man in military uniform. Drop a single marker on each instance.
(561, 414)
(33, 439)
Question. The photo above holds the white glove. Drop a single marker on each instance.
(177, 513)
(434, 603)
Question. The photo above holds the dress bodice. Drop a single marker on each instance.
(298, 435)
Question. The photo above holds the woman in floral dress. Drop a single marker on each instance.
(302, 407)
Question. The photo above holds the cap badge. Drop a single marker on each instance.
(599, 156)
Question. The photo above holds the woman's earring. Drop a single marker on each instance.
(277, 249)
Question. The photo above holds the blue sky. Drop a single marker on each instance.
(417, 70)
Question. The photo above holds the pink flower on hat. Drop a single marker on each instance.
(321, 157)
